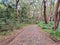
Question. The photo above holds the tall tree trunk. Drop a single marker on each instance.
(45, 17)
(41, 11)
(56, 18)
(41, 8)
(50, 12)
(59, 15)
(17, 1)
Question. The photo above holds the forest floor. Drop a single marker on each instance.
(30, 35)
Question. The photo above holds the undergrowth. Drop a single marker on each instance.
(48, 28)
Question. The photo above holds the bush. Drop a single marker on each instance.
(51, 24)
(8, 20)
(43, 25)
(46, 26)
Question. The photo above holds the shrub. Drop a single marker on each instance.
(8, 20)
(43, 25)
(47, 28)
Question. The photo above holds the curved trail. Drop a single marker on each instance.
(32, 35)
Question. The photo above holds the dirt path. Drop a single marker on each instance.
(32, 35)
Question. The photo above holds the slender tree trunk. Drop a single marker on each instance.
(57, 23)
(17, 1)
(41, 17)
(56, 18)
(45, 17)
(41, 8)
(59, 15)
(50, 12)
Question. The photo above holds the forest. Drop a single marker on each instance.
(17, 14)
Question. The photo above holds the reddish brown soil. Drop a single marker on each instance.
(31, 35)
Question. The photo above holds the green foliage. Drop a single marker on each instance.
(55, 34)
(51, 24)
(43, 25)
(8, 20)
(47, 28)
(25, 13)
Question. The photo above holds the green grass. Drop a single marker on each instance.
(48, 28)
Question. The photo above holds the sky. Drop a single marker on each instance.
(3, 0)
